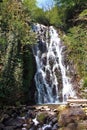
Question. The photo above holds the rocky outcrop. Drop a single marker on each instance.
(71, 115)
(29, 118)
(46, 117)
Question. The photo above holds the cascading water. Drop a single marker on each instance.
(52, 83)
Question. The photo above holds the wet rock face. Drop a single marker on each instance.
(42, 46)
(44, 59)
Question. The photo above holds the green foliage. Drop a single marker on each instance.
(30, 8)
(70, 10)
(28, 74)
(2, 40)
(12, 73)
(40, 17)
(15, 33)
(85, 82)
(76, 41)
(54, 15)
(30, 5)
(83, 13)
(16, 19)
(75, 24)
(69, 3)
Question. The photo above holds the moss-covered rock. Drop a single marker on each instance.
(41, 117)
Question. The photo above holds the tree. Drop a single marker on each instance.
(69, 3)
(30, 7)
(54, 16)
(15, 24)
(40, 16)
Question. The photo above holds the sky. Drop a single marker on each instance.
(45, 3)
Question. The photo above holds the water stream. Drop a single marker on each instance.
(52, 83)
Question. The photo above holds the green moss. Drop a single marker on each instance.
(41, 117)
(85, 82)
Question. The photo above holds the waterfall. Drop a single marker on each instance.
(52, 83)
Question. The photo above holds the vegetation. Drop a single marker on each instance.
(76, 41)
(85, 82)
(75, 27)
(15, 27)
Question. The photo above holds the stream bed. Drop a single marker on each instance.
(44, 117)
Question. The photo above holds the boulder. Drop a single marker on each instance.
(8, 128)
(82, 125)
(55, 126)
(13, 122)
(1, 126)
(71, 115)
(42, 117)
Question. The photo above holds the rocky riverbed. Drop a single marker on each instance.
(46, 117)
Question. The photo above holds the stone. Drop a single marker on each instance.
(61, 108)
(9, 128)
(30, 114)
(13, 122)
(71, 115)
(82, 125)
(72, 126)
(55, 126)
(4, 117)
(1, 126)
(54, 120)
(42, 117)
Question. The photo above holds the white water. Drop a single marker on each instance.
(52, 83)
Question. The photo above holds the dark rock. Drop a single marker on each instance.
(53, 121)
(9, 128)
(34, 128)
(5, 117)
(13, 122)
(55, 126)
(14, 115)
(42, 46)
(1, 126)
(30, 114)
(44, 59)
(31, 108)
(12, 111)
